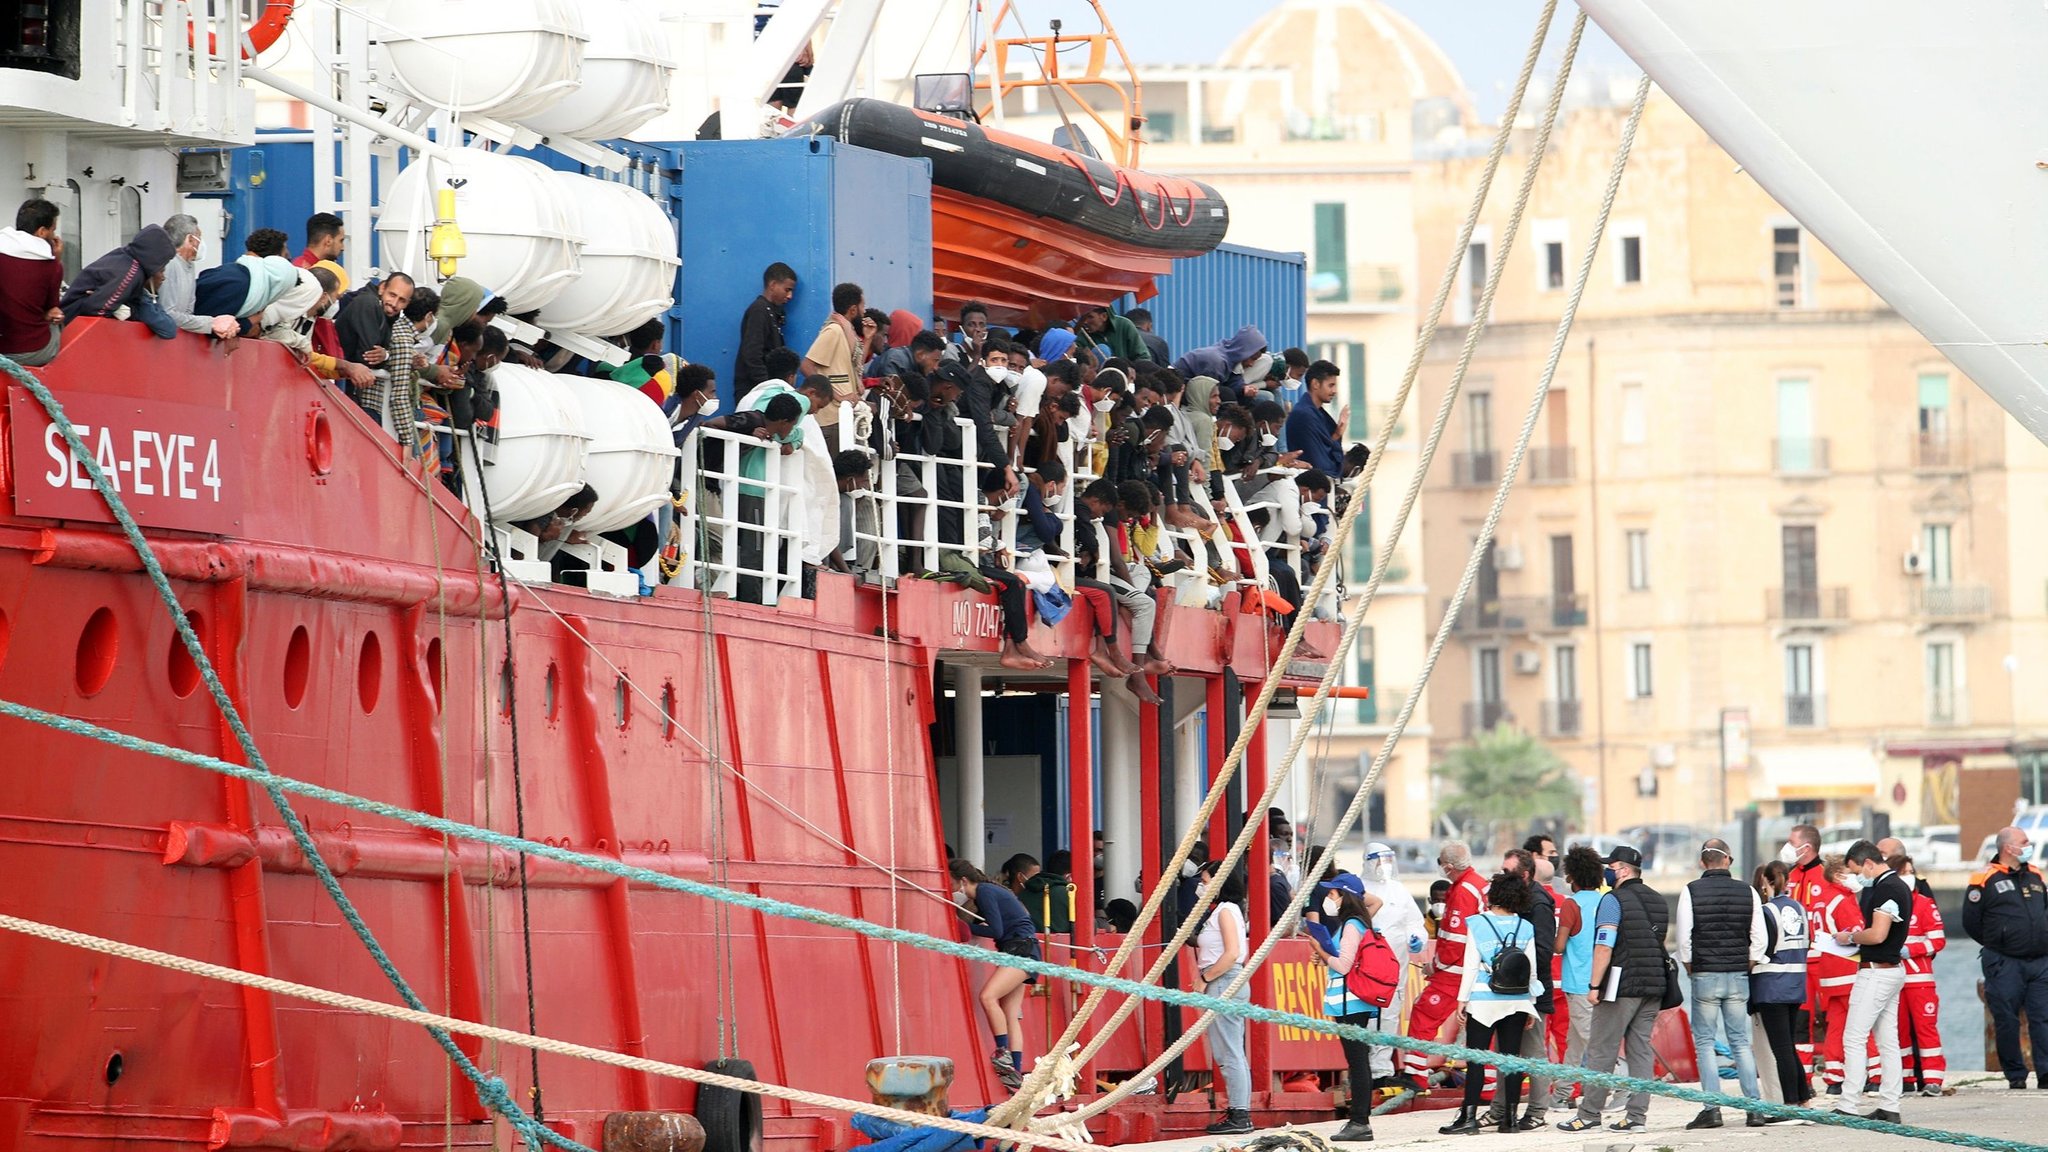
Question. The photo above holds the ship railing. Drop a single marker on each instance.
(1281, 501)
(920, 545)
(181, 65)
(754, 526)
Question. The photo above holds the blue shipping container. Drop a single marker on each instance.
(834, 213)
(1211, 296)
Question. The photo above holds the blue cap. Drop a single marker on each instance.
(1346, 882)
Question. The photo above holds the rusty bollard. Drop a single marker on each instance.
(912, 1083)
(653, 1132)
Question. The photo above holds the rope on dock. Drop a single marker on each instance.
(781, 908)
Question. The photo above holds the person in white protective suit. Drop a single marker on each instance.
(1400, 921)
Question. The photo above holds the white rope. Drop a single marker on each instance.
(1356, 619)
(341, 1000)
(1473, 560)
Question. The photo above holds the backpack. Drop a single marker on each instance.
(1510, 973)
(1375, 971)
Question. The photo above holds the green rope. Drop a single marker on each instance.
(490, 1090)
(781, 908)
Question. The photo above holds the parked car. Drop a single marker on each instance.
(1666, 847)
(1943, 848)
(2032, 820)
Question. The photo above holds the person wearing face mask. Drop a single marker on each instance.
(999, 916)
(1345, 916)
(1219, 959)
(1628, 986)
(1920, 1003)
(1439, 998)
(1721, 938)
(2005, 909)
(1833, 965)
(1230, 361)
(1885, 903)
(1800, 854)
(1541, 914)
(1584, 874)
(1400, 921)
(1777, 987)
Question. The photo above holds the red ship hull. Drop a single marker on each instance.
(360, 635)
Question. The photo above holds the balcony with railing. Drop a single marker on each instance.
(1520, 614)
(1940, 452)
(1563, 717)
(1800, 456)
(1476, 469)
(1818, 606)
(1485, 716)
(1952, 602)
(1805, 710)
(1551, 464)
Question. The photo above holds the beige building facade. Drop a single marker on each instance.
(1768, 548)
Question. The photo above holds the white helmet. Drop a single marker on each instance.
(1382, 864)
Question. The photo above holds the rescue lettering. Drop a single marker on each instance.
(141, 461)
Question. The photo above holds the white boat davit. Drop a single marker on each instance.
(1910, 137)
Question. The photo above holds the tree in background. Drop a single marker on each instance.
(1495, 786)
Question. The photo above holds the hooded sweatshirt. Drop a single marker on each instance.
(243, 288)
(1200, 390)
(270, 277)
(1054, 343)
(31, 283)
(279, 321)
(1223, 360)
(121, 277)
(460, 298)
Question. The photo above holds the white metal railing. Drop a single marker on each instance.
(922, 542)
(180, 66)
(779, 529)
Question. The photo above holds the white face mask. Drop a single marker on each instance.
(1106, 404)
(1259, 368)
(1856, 882)
(1188, 869)
(709, 408)
(1225, 443)
(1789, 854)
(1332, 905)
(1436, 911)
(333, 310)
(1267, 440)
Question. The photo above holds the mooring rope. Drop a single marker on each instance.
(785, 909)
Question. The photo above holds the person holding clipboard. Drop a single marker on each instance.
(1628, 988)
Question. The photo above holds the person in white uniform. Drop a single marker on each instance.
(1400, 921)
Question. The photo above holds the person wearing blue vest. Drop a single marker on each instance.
(1777, 987)
(1585, 873)
(1497, 998)
(1343, 901)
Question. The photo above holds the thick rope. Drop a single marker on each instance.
(554, 1047)
(1292, 914)
(1014, 1112)
(489, 1089)
(1506, 1063)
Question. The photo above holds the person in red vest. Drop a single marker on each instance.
(1920, 1001)
(1801, 855)
(1835, 910)
(1440, 994)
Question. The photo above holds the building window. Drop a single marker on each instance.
(1638, 559)
(1798, 449)
(1487, 709)
(1562, 716)
(1475, 277)
(1368, 708)
(1331, 283)
(1936, 558)
(1935, 450)
(1631, 260)
(1800, 555)
(1639, 679)
(1943, 699)
(1635, 416)
(1802, 705)
(1785, 266)
(1551, 237)
(1479, 422)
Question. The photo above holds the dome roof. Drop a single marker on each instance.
(1350, 58)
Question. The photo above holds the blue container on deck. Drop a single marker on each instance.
(832, 212)
(1211, 296)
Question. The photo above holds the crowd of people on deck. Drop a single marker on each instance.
(1823, 960)
(1183, 477)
